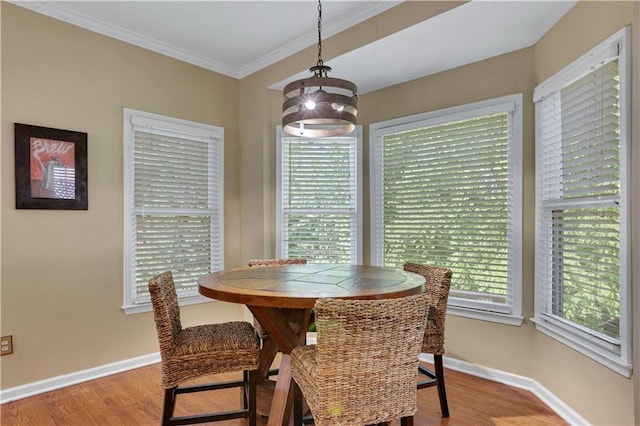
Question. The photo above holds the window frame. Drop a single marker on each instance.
(458, 306)
(357, 257)
(136, 304)
(577, 337)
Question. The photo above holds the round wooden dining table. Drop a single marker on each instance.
(281, 298)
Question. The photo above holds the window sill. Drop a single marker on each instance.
(146, 306)
(607, 359)
(505, 319)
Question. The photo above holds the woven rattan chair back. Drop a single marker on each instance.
(437, 285)
(166, 312)
(276, 262)
(192, 352)
(363, 368)
(438, 282)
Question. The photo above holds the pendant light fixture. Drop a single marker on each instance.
(319, 106)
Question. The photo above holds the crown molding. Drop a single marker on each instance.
(328, 29)
(61, 13)
(64, 14)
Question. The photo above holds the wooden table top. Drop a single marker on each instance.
(298, 286)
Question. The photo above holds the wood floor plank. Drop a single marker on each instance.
(135, 398)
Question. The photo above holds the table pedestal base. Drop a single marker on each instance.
(264, 393)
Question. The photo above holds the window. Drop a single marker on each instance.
(582, 205)
(319, 203)
(446, 190)
(173, 200)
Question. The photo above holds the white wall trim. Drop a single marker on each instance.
(35, 388)
(65, 14)
(520, 382)
(525, 383)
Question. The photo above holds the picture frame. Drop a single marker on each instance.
(51, 168)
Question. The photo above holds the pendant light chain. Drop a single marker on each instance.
(320, 62)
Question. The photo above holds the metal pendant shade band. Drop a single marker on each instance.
(319, 106)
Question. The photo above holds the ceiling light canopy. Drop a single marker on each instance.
(319, 106)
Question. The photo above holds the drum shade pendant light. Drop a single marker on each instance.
(319, 106)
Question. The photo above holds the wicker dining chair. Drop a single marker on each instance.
(271, 262)
(363, 368)
(277, 262)
(438, 282)
(192, 352)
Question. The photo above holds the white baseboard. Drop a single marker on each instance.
(525, 383)
(30, 389)
(35, 388)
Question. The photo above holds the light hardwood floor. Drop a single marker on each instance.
(134, 398)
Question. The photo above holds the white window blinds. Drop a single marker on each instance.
(174, 206)
(318, 198)
(447, 193)
(581, 205)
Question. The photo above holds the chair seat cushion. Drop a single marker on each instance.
(211, 349)
(226, 337)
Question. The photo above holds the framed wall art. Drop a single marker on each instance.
(51, 168)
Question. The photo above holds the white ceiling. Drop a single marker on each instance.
(237, 38)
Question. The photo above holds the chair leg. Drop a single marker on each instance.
(406, 421)
(297, 404)
(253, 379)
(442, 392)
(249, 396)
(245, 389)
(169, 404)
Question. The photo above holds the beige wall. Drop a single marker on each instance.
(612, 400)
(595, 392)
(62, 270)
(635, 201)
(65, 312)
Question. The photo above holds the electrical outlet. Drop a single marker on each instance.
(6, 345)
